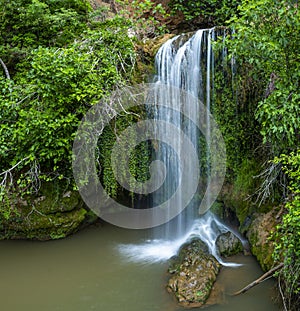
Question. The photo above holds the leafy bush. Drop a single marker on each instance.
(266, 40)
(52, 88)
(214, 11)
(28, 24)
(287, 236)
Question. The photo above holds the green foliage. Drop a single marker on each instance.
(287, 236)
(134, 166)
(259, 115)
(279, 117)
(6, 210)
(291, 167)
(234, 105)
(146, 17)
(52, 89)
(27, 24)
(213, 11)
(266, 40)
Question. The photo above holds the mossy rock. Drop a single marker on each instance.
(194, 273)
(45, 227)
(52, 199)
(259, 235)
(229, 244)
(189, 249)
(55, 213)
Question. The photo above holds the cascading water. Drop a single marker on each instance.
(186, 63)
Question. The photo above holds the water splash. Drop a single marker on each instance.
(207, 228)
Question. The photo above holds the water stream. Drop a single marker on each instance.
(185, 62)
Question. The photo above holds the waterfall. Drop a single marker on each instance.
(185, 62)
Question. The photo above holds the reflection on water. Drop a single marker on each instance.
(86, 272)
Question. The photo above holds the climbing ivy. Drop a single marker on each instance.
(234, 106)
(134, 167)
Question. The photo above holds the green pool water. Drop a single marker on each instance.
(87, 272)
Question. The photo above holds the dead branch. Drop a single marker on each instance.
(5, 69)
(7, 175)
(282, 295)
(33, 174)
(269, 177)
(259, 280)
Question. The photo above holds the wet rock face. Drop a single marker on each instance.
(258, 235)
(194, 273)
(228, 244)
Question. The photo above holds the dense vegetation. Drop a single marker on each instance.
(214, 12)
(266, 41)
(60, 64)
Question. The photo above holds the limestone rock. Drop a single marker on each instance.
(194, 273)
(258, 235)
(229, 244)
(151, 46)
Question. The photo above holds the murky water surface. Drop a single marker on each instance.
(88, 272)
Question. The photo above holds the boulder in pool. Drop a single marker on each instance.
(194, 273)
(229, 244)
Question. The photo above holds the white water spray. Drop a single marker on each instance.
(207, 228)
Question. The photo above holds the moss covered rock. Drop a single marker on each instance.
(259, 234)
(229, 244)
(38, 226)
(194, 273)
(53, 214)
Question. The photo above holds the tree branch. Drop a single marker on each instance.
(7, 175)
(282, 295)
(259, 280)
(5, 69)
